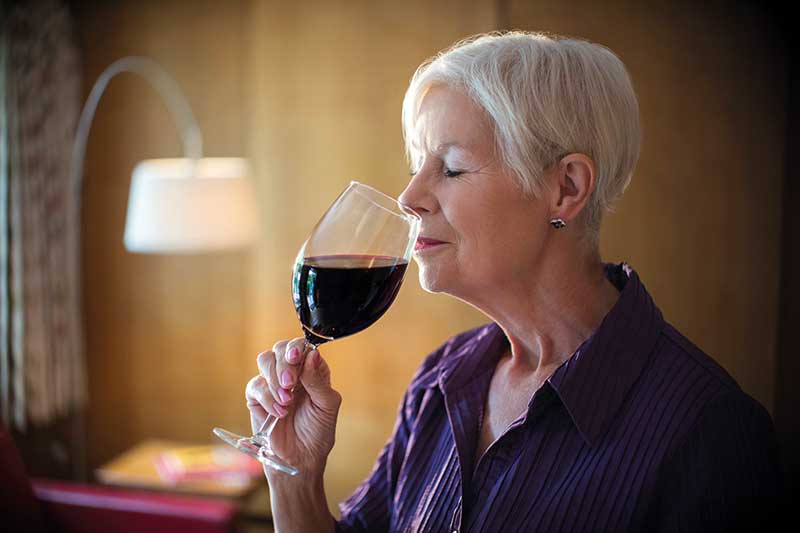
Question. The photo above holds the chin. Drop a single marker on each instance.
(428, 285)
(430, 279)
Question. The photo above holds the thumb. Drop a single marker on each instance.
(316, 380)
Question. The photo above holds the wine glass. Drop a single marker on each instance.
(345, 277)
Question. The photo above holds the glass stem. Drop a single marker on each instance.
(266, 428)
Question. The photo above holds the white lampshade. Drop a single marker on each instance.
(190, 205)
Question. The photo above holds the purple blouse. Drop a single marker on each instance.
(638, 431)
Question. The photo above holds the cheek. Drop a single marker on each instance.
(499, 246)
(484, 236)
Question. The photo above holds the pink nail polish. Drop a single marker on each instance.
(281, 410)
(293, 355)
(286, 378)
(284, 395)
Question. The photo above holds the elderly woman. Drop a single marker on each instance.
(577, 408)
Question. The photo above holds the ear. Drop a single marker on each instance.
(574, 181)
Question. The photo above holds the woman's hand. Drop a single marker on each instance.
(296, 387)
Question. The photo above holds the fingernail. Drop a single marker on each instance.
(293, 355)
(284, 395)
(281, 410)
(315, 359)
(286, 378)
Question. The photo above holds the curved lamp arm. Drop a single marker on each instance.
(167, 88)
(195, 228)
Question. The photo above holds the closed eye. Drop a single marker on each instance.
(448, 173)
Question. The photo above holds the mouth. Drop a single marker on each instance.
(426, 243)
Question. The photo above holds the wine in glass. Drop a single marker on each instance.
(345, 277)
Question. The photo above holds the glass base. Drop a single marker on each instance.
(256, 447)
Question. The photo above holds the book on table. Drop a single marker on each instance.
(205, 462)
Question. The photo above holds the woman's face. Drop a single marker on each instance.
(479, 232)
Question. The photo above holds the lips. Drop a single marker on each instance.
(425, 243)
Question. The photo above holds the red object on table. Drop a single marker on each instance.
(49, 505)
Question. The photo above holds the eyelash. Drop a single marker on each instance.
(447, 173)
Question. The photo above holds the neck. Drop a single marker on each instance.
(545, 319)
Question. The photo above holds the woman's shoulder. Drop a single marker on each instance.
(679, 347)
(725, 450)
(705, 387)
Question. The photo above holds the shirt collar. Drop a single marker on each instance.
(463, 358)
(594, 381)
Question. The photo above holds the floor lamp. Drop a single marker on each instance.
(179, 205)
(192, 204)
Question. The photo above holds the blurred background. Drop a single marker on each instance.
(310, 92)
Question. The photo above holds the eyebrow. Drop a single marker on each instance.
(441, 147)
(444, 146)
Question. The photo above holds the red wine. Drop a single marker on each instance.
(338, 295)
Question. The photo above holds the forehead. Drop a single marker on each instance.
(449, 118)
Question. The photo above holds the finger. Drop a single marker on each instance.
(316, 380)
(257, 416)
(279, 346)
(296, 351)
(259, 398)
(266, 366)
(288, 363)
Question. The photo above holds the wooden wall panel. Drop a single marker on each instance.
(161, 330)
(700, 221)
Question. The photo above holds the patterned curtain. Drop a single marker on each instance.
(42, 374)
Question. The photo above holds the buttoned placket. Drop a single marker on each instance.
(537, 406)
(457, 404)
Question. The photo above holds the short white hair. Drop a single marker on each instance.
(546, 96)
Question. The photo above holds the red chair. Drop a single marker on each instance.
(47, 505)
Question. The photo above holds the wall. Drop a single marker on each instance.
(311, 92)
(164, 333)
(701, 221)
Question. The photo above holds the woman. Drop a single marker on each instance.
(577, 408)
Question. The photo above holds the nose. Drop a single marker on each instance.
(417, 196)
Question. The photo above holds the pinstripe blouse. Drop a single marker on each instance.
(638, 431)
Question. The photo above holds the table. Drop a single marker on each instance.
(136, 468)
